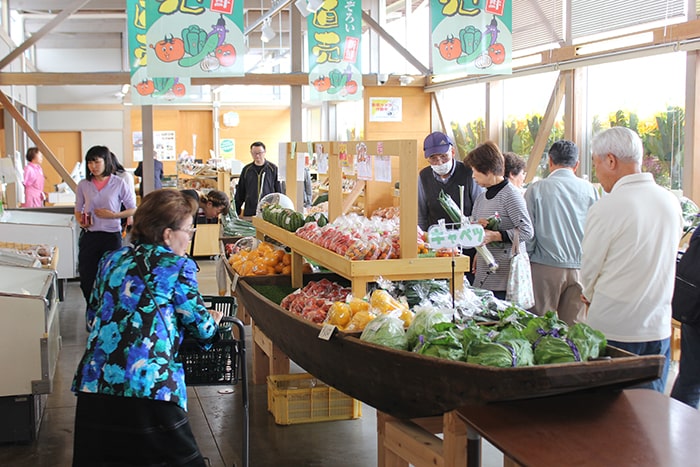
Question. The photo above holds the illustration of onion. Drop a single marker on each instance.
(210, 63)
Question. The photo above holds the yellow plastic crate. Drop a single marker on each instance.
(301, 398)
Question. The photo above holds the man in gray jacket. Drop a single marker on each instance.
(558, 206)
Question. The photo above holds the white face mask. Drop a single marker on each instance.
(442, 169)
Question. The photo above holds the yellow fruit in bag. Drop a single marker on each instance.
(359, 321)
(383, 302)
(339, 314)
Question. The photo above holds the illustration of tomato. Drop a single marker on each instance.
(322, 83)
(497, 53)
(179, 89)
(450, 48)
(351, 87)
(145, 87)
(226, 53)
(169, 49)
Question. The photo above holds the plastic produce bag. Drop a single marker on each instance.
(386, 330)
(519, 286)
(221, 280)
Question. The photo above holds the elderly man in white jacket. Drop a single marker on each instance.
(629, 249)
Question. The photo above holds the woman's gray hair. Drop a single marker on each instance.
(621, 142)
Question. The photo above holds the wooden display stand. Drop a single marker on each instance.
(267, 358)
(360, 273)
(404, 442)
(206, 240)
(408, 266)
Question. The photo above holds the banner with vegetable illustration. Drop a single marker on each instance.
(146, 90)
(471, 37)
(195, 38)
(334, 51)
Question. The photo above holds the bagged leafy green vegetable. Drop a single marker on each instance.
(540, 326)
(551, 349)
(505, 354)
(422, 324)
(433, 290)
(578, 345)
(504, 349)
(445, 343)
(591, 343)
(386, 330)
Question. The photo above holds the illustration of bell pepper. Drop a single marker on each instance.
(470, 40)
(208, 48)
(338, 80)
(194, 38)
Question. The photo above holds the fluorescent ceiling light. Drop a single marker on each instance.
(267, 33)
(301, 6)
(616, 43)
(313, 5)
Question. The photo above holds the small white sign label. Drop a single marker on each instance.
(468, 236)
(326, 332)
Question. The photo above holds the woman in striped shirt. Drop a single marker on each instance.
(501, 201)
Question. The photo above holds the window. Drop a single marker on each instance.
(648, 96)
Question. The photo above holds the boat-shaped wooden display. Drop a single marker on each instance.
(409, 385)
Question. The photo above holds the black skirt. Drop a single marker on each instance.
(127, 431)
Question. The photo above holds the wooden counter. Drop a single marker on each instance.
(634, 427)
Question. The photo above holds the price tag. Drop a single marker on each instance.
(326, 332)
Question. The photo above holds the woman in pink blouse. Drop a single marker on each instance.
(34, 180)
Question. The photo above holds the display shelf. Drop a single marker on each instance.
(360, 273)
(206, 240)
(375, 194)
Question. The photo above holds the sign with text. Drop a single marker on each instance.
(464, 235)
(334, 51)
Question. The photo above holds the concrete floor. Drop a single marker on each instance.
(215, 417)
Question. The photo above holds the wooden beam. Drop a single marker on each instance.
(34, 136)
(546, 126)
(394, 43)
(58, 19)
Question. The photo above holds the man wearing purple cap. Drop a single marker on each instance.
(447, 174)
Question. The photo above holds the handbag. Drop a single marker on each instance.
(519, 286)
(686, 294)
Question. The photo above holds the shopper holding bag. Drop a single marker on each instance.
(501, 210)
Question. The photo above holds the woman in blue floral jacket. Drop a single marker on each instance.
(132, 398)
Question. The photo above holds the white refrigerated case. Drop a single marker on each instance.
(30, 343)
(29, 335)
(60, 230)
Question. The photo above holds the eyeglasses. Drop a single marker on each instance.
(190, 230)
(438, 158)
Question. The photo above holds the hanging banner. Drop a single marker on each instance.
(195, 38)
(473, 37)
(334, 51)
(146, 90)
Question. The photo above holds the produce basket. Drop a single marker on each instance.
(221, 363)
(301, 398)
(27, 247)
